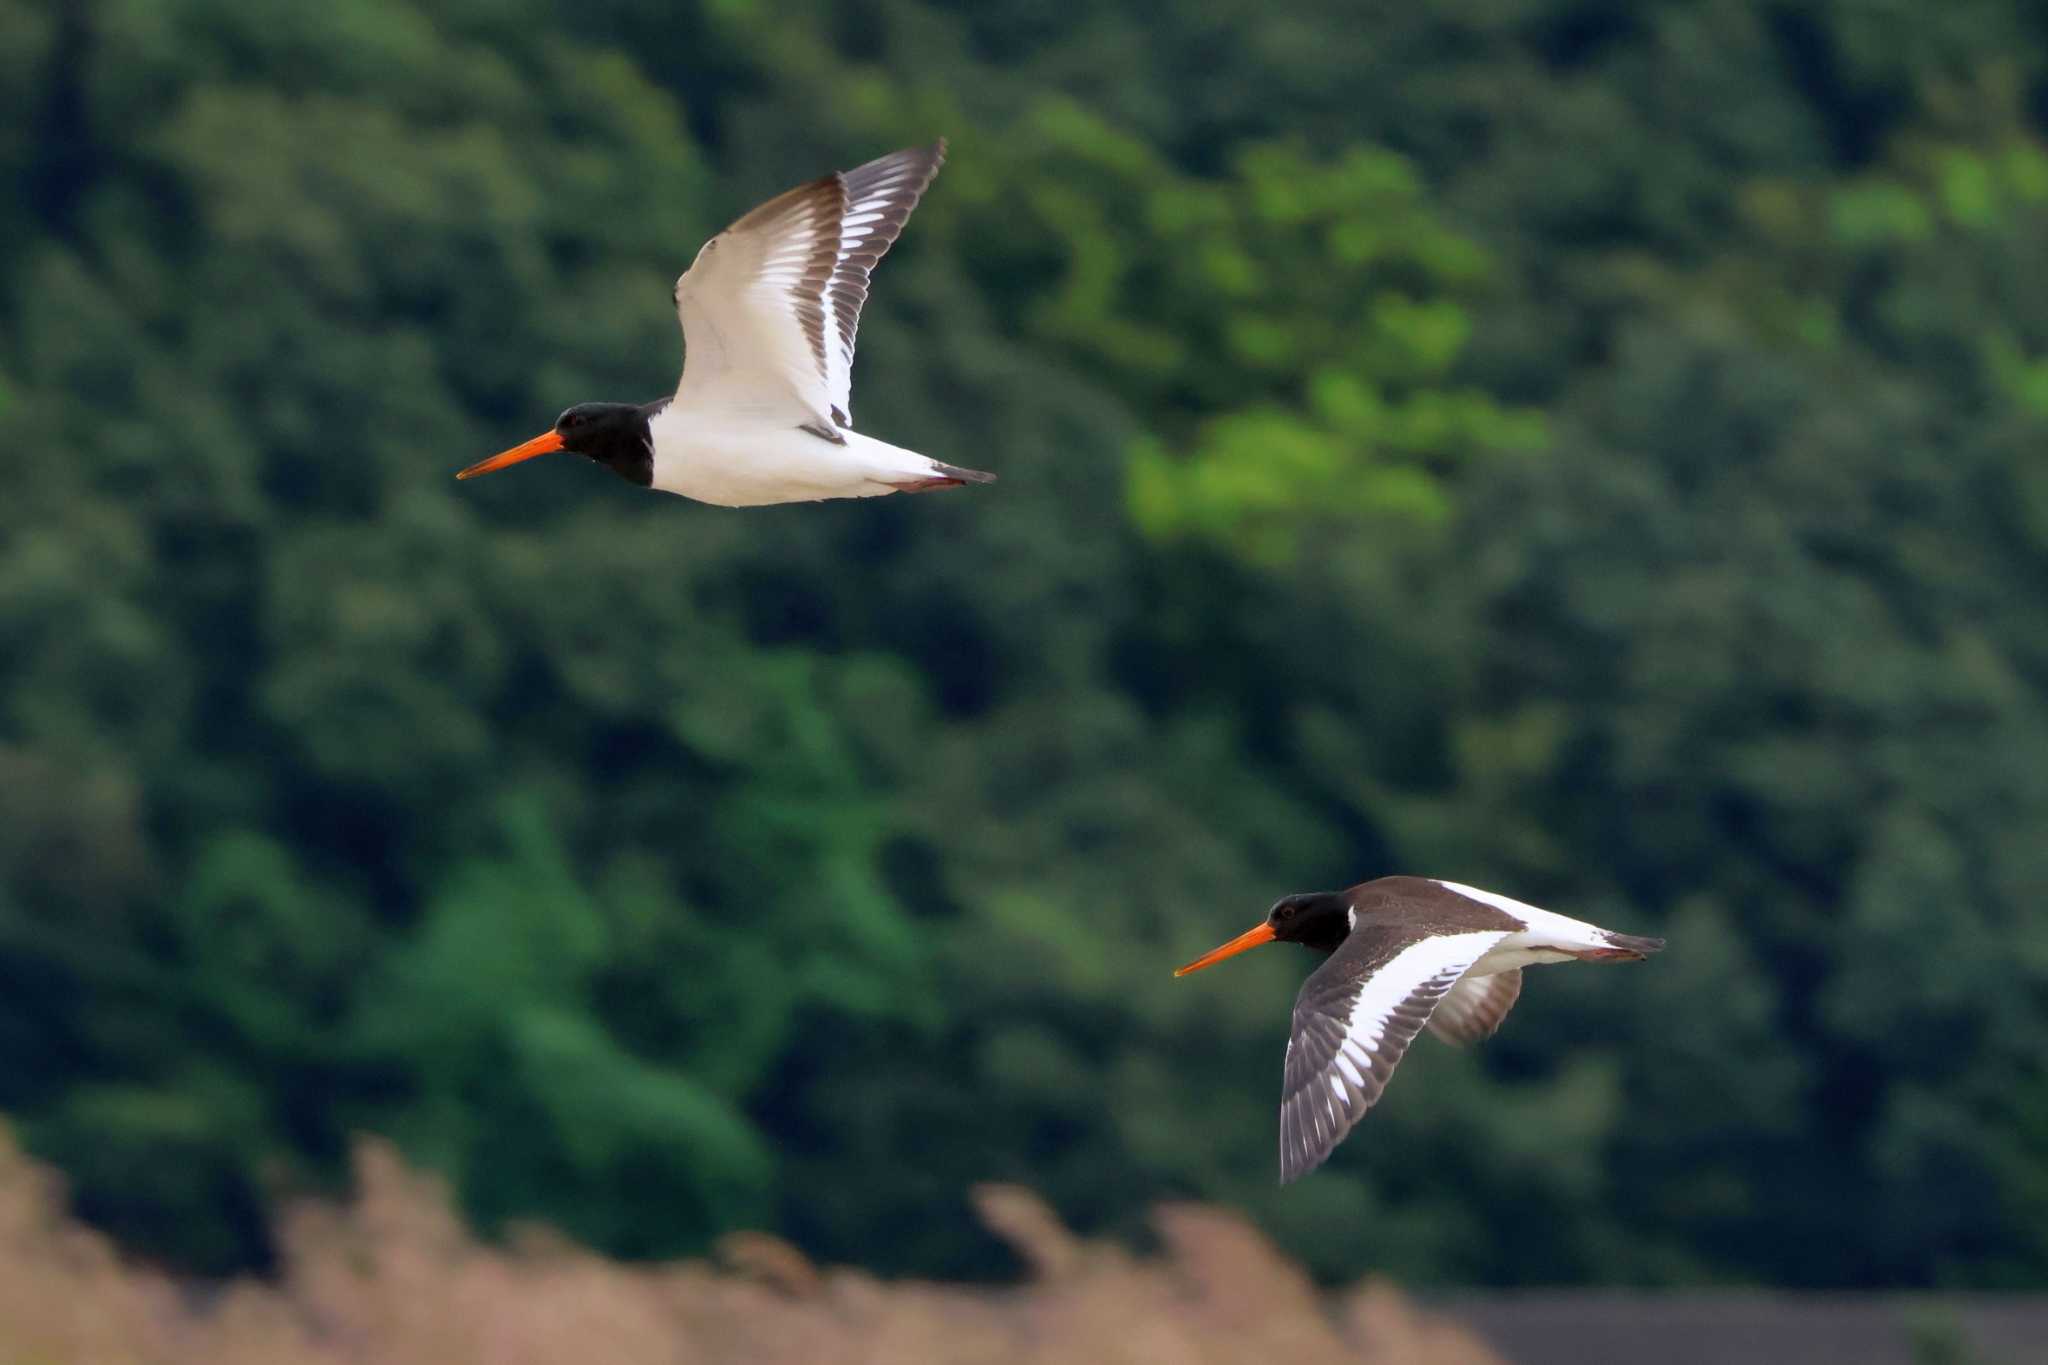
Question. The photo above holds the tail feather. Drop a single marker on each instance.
(941, 476)
(1635, 945)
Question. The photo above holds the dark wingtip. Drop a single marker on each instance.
(1636, 943)
(953, 471)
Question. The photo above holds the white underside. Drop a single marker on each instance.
(1545, 937)
(736, 462)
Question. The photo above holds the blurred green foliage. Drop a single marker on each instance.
(1587, 449)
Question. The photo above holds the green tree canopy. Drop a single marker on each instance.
(1584, 449)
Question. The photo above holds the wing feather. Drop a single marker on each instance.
(1473, 1009)
(879, 200)
(1353, 1022)
(771, 307)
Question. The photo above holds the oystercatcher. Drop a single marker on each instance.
(1404, 952)
(769, 311)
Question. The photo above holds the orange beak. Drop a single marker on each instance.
(539, 445)
(1250, 938)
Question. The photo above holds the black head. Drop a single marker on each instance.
(1314, 919)
(615, 435)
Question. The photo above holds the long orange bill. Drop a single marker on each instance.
(1250, 938)
(539, 445)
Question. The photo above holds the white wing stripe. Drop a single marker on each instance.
(1417, 965)
(1347, 1039)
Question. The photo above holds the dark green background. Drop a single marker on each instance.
(1593, 450)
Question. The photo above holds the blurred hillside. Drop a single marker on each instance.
(1585, 449)
(392, 1278)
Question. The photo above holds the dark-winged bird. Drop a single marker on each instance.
(1404, 953)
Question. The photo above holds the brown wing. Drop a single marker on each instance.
(1353, 1022)
(1473, 1009)
(879, 198)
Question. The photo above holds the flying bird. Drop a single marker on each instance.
(1404, 952)
(769, 311)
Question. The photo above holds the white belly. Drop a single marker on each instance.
(744, 464)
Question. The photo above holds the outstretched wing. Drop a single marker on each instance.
(771, 306)
(879, 198)
(1353, 1021)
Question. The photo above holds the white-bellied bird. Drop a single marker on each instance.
(769, 311)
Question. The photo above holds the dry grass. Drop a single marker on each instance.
(395, 1279)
